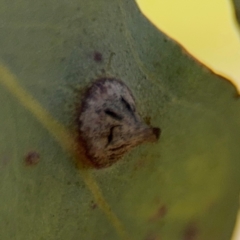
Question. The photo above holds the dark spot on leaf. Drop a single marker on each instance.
(141, 162)
(236, 95)
(93, 205)
(32, 158)
(190, 232)
(152, 236)
(97, 56)
(156, 132)
(160, 213)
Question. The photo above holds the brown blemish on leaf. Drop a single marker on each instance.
(109, 125)
(93, 205)
(191, 232)
(97, 56)
(159, 214)
(152, 236)
(140, 163)
(32, 158)
(236, 95)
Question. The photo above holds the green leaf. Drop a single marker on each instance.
(236, 4)
(184, 187)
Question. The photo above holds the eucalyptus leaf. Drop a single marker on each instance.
(185, 186)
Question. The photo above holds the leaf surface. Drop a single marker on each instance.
(184, 187)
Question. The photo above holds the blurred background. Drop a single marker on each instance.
(208, 30)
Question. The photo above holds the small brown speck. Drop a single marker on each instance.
(236, 96)
(191, 232)
(160, 213)
(32, 158)
(152, 237)
(93, 205)
(97, 57)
